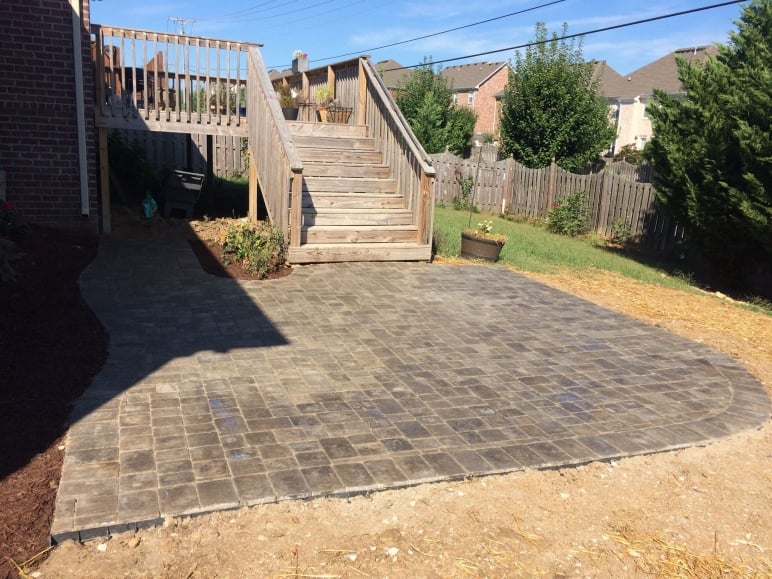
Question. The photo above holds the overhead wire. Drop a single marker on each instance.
(575, 35)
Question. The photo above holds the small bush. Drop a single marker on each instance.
(259, 249)
(620, 230)
(467, 184)
(570, 216)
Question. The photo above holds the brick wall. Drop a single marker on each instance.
(485, 104)
(38, 122)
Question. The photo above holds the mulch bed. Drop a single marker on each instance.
(51, 345)
(213, 262)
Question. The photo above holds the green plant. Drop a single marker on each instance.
(631, 154)
(467, 184)
(286, 99)
(485, 229)
(620, 230)
(570, 216)
(323, 95)
(260, 249)
(130, 165)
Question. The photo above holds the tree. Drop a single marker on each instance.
(551, 107)
(712, 149)
(426, 100)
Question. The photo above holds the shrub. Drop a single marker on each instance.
(570, 216)
(620, 230)
(260, 249)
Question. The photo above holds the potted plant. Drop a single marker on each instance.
(482, 243)
(323, 97)
(288, 103)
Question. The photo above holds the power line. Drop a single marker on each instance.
(568, 36)
(367, 50)
(523, 11)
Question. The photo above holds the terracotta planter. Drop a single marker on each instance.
(480, 247)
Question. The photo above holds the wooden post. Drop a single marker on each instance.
(604, 199)
(104, 181)
(551, 185)
(252, 212)
(362, 96)
(331, 81)
(296, 209)
(425, 208)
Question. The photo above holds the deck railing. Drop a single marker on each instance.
(342, 78)
(169, 82)
(273, 157)
(402, 152)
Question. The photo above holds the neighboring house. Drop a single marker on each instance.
(47, 132)
(477, 86)
(629, 95)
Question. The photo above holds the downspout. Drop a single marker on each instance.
(616, 127)
(80, 108)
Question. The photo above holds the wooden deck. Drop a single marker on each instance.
(357, 191)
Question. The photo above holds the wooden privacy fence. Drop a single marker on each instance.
(613, 195)
(183, 151)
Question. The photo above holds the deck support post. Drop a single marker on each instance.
(362, 95)
(296, 208)
(252, 211)
(104, 180)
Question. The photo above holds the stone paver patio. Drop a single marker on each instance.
(349, 378)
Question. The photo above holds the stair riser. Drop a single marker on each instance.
(347, 143)
(341, 170)
(327, 129)
(338, 156)
(312, 235)
(354, 201)
(374, 218)
(349, 185)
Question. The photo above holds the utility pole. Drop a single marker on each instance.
(180, 23)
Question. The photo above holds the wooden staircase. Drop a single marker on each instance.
(352, 209)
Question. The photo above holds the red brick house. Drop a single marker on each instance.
(476, 86)
(47, 133)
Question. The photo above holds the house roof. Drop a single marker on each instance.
(471, 76)
(663, 72)
(392, 72)
(612, 84)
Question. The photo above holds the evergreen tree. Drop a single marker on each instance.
(426, 101)
(712, 149)
(551, 107)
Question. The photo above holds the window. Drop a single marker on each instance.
(642, 140)
(645, 114)
(455, 98)
(470, 98)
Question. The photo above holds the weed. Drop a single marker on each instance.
(620, 230)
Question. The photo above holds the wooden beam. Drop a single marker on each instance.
(104, 181)
(252, 186)
(296, 208)
(362, 95)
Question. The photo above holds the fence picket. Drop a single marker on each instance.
(620, 191)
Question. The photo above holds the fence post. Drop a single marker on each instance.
(604, 198)
(551, 185)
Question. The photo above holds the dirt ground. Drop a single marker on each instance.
(699, 512)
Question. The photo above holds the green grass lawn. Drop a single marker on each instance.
(532, 248)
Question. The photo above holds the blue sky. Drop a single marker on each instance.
(328, 28)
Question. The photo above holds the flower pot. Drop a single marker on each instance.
(290, 113)
(480, 247)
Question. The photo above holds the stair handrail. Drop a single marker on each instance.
(407, 132)
(280, 173)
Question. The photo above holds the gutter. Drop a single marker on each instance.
(80, 108)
